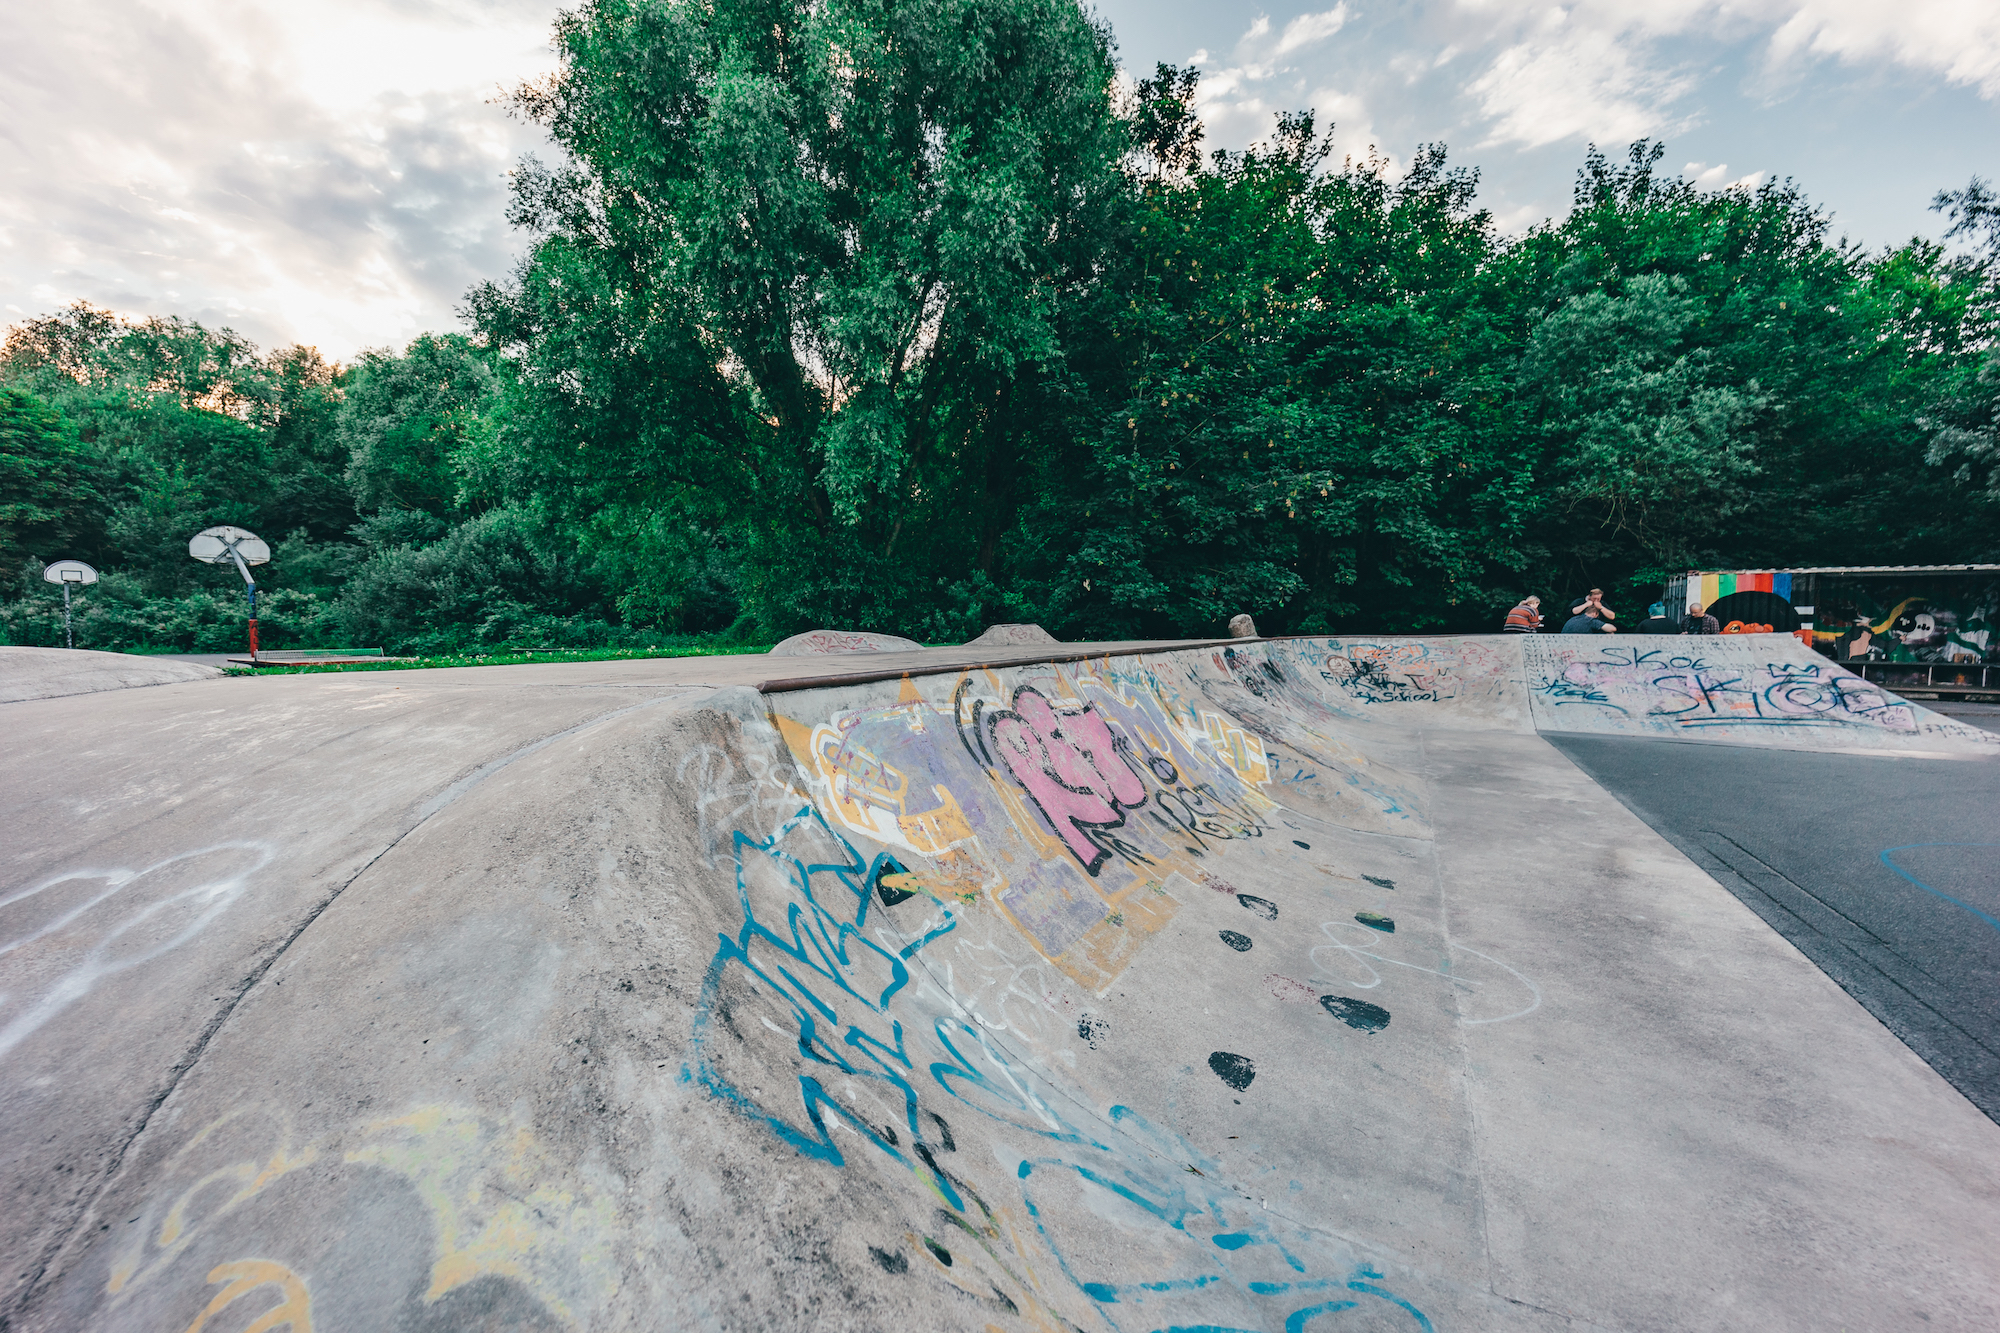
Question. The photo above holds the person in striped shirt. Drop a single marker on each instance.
(1525, 618)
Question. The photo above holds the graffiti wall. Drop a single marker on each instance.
(1908, 620)
(1750, 689)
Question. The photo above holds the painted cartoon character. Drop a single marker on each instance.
(1928, 633)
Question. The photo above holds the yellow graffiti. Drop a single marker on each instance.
(1241, 751)
(525, 1229)
(482, 1182)
(937, 830)
(293, 1311)
(183, 1221)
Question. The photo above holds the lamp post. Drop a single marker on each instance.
(243, 548)
(69, 573)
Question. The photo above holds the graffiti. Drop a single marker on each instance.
(496, 1212)
(1716, 686)
(1776, 693)
(1402, 673)
(1068, 805)
(1259, 675)
(1564, 691)
(112, 921)
(1351, 964)
(816, 1025)
(1072, 768)
(294, 1307)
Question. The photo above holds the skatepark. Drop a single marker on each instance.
(1322, 984)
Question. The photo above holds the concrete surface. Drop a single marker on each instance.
(1882, 870)
(817, 642)
(51, 673)
(1982, 715)
(1201, 988)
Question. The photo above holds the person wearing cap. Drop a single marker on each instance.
(1694, 622)
(1656, 621)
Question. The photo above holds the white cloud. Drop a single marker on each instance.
(1240, 100)
(1309, 28)
(314, 170)
(1576, 83)
(1717, 177)
(1958, 39)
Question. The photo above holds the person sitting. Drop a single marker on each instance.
(1525, 618)
(1695, 622)
(1656, 621)
(1588, 621)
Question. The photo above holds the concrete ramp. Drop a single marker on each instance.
(1761, 690)
(51, 673)
(1221, 987)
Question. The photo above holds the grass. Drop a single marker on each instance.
(502, 657)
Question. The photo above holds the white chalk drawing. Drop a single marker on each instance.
(1341, 948)
(103, 922)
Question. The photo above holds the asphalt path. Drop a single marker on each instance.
(1884, 871)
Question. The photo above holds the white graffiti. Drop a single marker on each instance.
(117, 919)
(1369, 978)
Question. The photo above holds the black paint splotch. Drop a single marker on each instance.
(1235, 1070)
(1379, 882)
(890, 896)
(1357, 1014)
(1263, 907)
(938, 1252)
(1090, 1028)
(944, 1132)
(1376, 921)
(1296, 843)
(891, 1261)
(1236, 941)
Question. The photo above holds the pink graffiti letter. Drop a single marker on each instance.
(1070, 767)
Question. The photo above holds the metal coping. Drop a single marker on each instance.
(786, 684)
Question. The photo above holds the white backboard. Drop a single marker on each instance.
(212, 545)
(70, 571)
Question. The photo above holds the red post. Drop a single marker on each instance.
(253, 640)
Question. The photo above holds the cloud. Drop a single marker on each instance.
(1576, 83)
(1958, 39)
(1240, 98)
(304, 170)
(1613, 70)
(1306, 29)
(1717, 177)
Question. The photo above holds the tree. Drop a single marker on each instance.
(49, 504)
(803, 273)
(405, 421)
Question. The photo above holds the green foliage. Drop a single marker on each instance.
(898, 316)
(802, 283)
(48, 497)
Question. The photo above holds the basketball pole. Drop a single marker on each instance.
(249, 590)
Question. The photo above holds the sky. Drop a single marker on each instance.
(333, 172)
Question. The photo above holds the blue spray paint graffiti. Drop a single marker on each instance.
(879, 1049)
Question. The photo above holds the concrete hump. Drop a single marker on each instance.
(51, 673)
(821, 642)
(1012, 636)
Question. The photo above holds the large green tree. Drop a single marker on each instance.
(800, 281)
